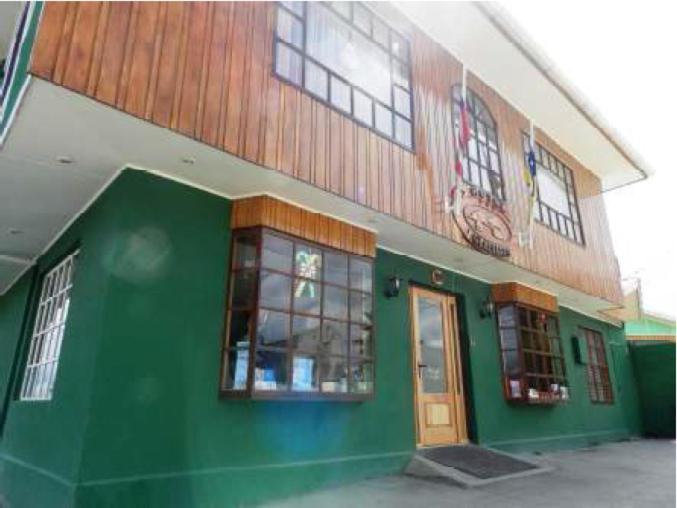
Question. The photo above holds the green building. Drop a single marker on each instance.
(230, 271)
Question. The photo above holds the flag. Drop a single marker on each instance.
(457, 173)
(531, 183)
(461, 139)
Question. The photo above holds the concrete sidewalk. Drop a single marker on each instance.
(630, 474)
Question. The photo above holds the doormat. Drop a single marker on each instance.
(476, 461)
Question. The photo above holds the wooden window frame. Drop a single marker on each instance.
(393, 59)
(474, 102)
(543, 356)
(568, 226)
(600, 388)
(250, 391)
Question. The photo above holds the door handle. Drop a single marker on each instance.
(420, 367)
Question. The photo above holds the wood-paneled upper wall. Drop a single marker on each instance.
(205, 70)
(316, 227)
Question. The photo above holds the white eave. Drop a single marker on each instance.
(494, 47)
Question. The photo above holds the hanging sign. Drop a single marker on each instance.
(484, 222)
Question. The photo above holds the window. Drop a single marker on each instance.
(599, 383)
(48, 331)
(348, 58)
(299, 320)
(10, 62)
(557, 205)
(531, 354)
(483, 165)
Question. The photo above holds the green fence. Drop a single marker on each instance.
(655, 370)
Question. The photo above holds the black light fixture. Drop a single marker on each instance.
(487, 308)
(393, 286)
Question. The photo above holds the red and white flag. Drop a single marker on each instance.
(461, 139)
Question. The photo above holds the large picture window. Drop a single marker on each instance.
(599, 382)
(48, 331)
(557, 206)
(347, 57)
(531, 353)
(299, 320)
(483, 164)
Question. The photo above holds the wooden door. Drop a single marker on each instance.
(438, 379)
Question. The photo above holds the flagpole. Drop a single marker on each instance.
(532, 198)
(459, 145)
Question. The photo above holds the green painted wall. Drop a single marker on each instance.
(655, 367)
(500, 424)
(41, 445)
(137, 392)
(12, 316)
(21, 71)
(157, 431)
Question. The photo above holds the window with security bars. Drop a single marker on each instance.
(557, 206)
(599, 382)
(483, 164)
(48, 331)
(347, 57)
(531, 354)
(299, 321)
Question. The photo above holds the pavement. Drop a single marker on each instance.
(628, 474)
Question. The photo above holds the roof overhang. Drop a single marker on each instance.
(40, 195)
(492, 45)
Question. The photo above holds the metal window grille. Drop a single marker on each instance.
(48, 331)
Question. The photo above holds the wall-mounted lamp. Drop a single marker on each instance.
(393, 286)
(487, 308)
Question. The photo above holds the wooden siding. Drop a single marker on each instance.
(316, 227)
(205, 70)
(514, 292)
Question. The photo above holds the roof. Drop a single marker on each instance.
(498, 50)
(651, 324)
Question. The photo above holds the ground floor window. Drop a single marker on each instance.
(531, 354)
(599, 382)
(48, 330)
(299, 320)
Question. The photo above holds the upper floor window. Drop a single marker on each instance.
(532, 357)
(599, 381)
(347, 57)
(8, 64)
(557, 205)
(48, 330)
(299, 320)
(483, 165)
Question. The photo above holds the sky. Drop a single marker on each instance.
(621, 56)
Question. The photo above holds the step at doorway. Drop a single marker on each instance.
(471, 465)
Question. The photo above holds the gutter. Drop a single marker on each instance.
(511, 30)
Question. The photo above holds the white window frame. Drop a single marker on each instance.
(42, 360)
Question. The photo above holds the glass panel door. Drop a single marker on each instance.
(440, 407)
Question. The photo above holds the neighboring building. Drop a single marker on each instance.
(230, 272)
(651, 327)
